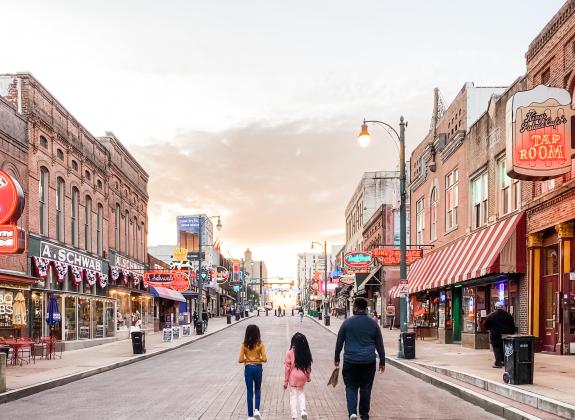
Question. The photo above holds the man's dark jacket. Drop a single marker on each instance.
(362, 338)
(499, 322)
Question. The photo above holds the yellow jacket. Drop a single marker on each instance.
(255, 356)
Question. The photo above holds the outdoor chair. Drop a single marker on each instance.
(58, 349)
(40, 348)
(25, 354)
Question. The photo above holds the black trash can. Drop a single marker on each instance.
(319, 315)
(138, 342)
(237, 316)
(407, 345)
(258, 312)
(228, 319)
(518, 351)
(326, 321)
(247, 314)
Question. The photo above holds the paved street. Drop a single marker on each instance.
(204, 380)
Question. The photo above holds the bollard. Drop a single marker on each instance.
(291, 311)
(283, 312)
(2, 372)
(229, 318)
(267, 312)
(258, 312)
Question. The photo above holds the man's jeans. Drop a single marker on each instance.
(497, 344)
(253, 377)
(358, 377)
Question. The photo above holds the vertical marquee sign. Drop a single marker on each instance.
(12, 238)
(538, 133)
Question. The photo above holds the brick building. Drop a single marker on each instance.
(550, 204)
(73, 182)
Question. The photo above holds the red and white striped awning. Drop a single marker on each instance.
(493, 249)
(393, 292)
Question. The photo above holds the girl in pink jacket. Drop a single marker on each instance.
(298, 362)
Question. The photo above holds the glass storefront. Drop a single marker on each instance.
(7, 308)
(133, 309)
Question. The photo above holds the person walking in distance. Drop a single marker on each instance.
(253, 355)
(297, 372)
(497, 323)
(362, 338)
(300, 314)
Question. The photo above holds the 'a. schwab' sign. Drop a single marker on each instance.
(538, 133)
(68, 256)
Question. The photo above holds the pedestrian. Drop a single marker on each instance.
(362, 338)
(497, 323)
(253, 355)
(301, 314)
(297, 372)
(375, 316)
(279, 311)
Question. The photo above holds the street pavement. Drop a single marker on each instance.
(204, 381)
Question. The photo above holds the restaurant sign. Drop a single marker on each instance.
(12, 237)
(174, 279)
(65, 255)
(357, 259)
(538, 133)
(390, 256)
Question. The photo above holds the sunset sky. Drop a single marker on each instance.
(250, 109)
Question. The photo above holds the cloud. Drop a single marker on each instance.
(267, 195)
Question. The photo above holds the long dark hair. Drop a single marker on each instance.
(302, 353)
(252, 337)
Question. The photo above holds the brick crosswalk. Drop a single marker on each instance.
(204, 381)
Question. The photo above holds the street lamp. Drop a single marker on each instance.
(326, 303)
(364, 139)
(202, 220)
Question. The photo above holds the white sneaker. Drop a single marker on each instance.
(257, 415)
(251, 418)
(353, 417)
(304, 415)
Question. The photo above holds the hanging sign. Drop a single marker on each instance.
(176, 280)
(357, 259)
(12, 238)
(538, 133)
(390, 256)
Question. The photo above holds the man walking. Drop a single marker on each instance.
(300, 311)
(362, 338)
(497, 323)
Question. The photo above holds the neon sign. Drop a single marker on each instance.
(389, 256)
(357, 259)
(12, 238)
(174, 279)
(538, 131)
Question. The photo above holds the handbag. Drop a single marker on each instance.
(334, 377)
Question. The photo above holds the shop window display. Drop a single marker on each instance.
(469, 310)
(37, 315)
(97, 319)
(71, 326)
(110, 319)
(83, 318)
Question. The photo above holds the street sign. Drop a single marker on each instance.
(195, 256)
(254, 281)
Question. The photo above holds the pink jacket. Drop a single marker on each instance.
(292, 375)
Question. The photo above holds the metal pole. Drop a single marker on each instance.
(199, 325)
(402, 224)
(326, 304)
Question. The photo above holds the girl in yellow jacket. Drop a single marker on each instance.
(253, 355)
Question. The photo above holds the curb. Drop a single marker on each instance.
(488, 404)
(16, 394)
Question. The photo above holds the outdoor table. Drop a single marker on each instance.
(16, 345)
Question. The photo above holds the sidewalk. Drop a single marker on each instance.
(554, 376)
(97, 359)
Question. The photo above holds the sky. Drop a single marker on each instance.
(251, 109)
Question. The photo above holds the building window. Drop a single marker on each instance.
(88, 225)
(43, 200)
(117, 228)
(99, 184)
(135, 238)
(504, 187)
(60, 194)
(74, 165)
(420, 220)
(451, 199)
(479, 200)
(60, 154)
(433, 214)
(127, 234)
(547, 185)
(100, 230)
(546, 76)
(43, 142)
(87, 175)
(74, 218)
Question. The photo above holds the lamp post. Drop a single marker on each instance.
(325, 301)
(364, 139)
(202, 220)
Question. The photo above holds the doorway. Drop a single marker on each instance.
(548, 324)
(457, 314)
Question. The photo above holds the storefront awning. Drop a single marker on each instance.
(165, 293)
(370, 280)
(498, 248)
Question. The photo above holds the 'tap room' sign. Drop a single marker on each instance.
(538, 131)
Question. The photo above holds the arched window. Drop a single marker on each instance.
(99, 184)
(74, 165)
(60, 154)
(127, 233)
(74, 216)
(433, 214)
(60, 194)
(135, 238)
(88, 225)
(117, 228)
(100, 230)
(43, 200)
(43, 142)
(87, 175)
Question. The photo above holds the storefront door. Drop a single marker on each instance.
(548, 331)
(457, 315)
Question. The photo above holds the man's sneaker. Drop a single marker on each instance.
(257, 415)
(303, 415)
(353, 417)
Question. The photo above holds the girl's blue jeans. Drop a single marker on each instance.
(253, 377)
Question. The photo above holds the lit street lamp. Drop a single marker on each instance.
(325, 301)
(202, 220)
(364, 139)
